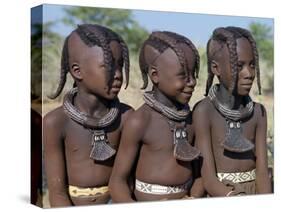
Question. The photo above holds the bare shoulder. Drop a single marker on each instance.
(259, 110)
(202, 108)
(139, 119)
(125, 110)
(55, 118)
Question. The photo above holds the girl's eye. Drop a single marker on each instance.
(240, 66)
(182, 75)
(252, 65)
(102, 65)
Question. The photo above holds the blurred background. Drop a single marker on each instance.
(50, 25)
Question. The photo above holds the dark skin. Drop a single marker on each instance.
(68, 144)
(209, 125)
(146, 141)
(36, 156)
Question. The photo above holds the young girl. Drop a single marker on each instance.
(230, 128)
(156, 141)
(81, 137)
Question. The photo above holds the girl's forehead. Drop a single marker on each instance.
(170, 60)
(92, 54)
(244, 48)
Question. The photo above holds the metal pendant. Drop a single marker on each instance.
(234, 141)
(101, 150)
(182, 148)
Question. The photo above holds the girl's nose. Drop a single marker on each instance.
(191, 82)
(117, 73)
(248, 72)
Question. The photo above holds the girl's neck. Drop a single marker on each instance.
(229, 100)
(162, 98)
(90, 104)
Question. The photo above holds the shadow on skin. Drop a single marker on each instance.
(240, 156)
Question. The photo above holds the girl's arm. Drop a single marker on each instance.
(263, 184)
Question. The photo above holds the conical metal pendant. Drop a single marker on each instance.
(182, 149)
(101, 150)
(234, 141)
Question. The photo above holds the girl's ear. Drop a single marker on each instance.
(75, 71)
(215, 68)
(153, 74)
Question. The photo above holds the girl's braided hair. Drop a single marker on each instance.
(228, 36)
(93, 35)
(161, 40)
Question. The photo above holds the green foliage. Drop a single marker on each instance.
(119, 20)
(264, 38)
(51, 56)
(44, 54)
(36, 60)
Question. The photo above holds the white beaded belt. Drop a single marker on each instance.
(238, 177)
(160, 189)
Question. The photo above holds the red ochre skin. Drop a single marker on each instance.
(146, 147)
(209, 125)
(67, 144)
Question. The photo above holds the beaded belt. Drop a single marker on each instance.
(238, 177)
(160, 189)
(75, 191)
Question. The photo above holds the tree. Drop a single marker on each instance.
(264, 39)
(51, 56)
(36, 60)
(119, 20)
(44, 53)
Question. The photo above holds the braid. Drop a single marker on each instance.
(156, 43)
(112, 36)
(246, 34)
(88, 38)
(229, 35)
(224, 36)
(233, 57)
(171, 42)
(210, 73)
(93, 35)
(64, 69)
(185, 40)
(143, 66)
(126, 61)
(161, 41)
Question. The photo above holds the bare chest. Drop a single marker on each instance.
(227, 160)
(79, 140)
(160, 134)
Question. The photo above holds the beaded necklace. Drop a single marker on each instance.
(234, 141)
(177, 123)
(101, 149)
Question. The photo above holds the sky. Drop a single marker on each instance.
(197, 27)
